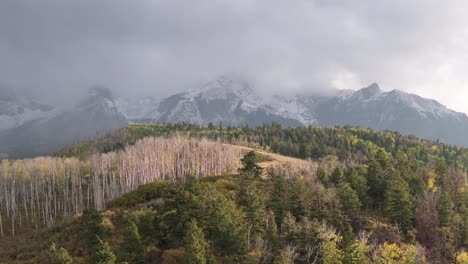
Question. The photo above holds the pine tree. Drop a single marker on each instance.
(323, 177)
(131, 249)
(250, 166)
(271, 238)
(59, 256)
(92, 229)
(197, 249)
(376, 182)
(399, 204)
(250, 197)
(104, 254)
(358, 182)
(278, 199)
(444, 209)
(350, 248)
(252, 200)
(348, 198)
(226, 226)
(298, 197)
(336, 176)
(330, 252)
(463, 226)
(441, 172)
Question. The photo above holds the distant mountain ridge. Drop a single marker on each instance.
(16, 110)
(97, 113)
(232, 101)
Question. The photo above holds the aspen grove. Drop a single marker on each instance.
(40, 192)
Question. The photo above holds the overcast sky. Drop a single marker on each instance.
(59, 48)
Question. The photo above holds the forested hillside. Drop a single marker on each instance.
(346, 143)
(364, 197)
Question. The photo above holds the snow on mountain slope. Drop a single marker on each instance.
(225, 88)
(372, 96)
(225, 100)
(95, 114)
(407, 113)
(297, 107)
(15, 110)
(137, 109)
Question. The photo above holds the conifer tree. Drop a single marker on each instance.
(271, 238)
(250, 197)
(357, 181)
(322, 176)
(92, 229)
(348, 198)
(59, 256)
(330, 252)
(104, 254)
(278, 199)
(398, 203)
(376, 182)
(336, 176)
(298, 197)
(350, 248)
(444, 209)
(226, 227)
(250, 166)
(131, 249)
(197, 249)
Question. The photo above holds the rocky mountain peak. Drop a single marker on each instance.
(371, 90)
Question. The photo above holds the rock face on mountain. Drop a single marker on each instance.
(15, 110)
(96, 114)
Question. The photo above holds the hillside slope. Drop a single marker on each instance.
(33, 247)
(364, 194)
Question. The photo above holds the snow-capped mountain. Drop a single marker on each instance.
(15, 110)
(407, 113)
(225, 100)
(233, 101)
(230, 101)
(95, 114)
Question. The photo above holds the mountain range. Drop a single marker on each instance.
(28, 128)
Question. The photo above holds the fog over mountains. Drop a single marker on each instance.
(30, 128)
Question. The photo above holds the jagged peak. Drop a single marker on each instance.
(369, 91)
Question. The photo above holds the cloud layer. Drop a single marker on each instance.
(56, 49)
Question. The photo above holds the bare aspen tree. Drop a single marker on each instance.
(40, 192)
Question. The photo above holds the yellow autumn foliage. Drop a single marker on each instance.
(462, 258)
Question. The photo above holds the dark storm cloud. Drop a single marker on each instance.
(57, 49)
